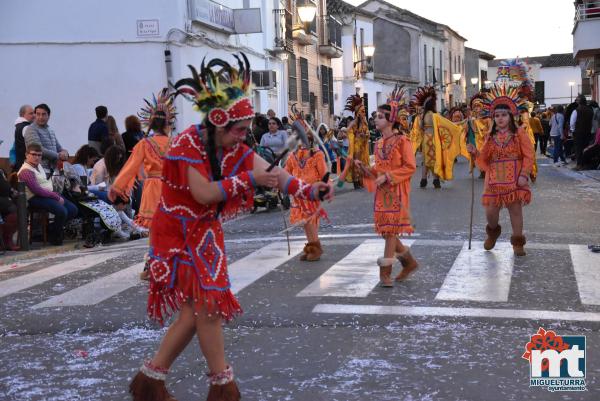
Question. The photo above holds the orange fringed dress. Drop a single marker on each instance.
(394, 157)
(149, 152)
(310, 169)
(504, 157)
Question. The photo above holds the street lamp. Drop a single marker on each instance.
(456, 77)
(571, 84)
(487, 84)
(474, 81)
(368, 51)
(307, 13)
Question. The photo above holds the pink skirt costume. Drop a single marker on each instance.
(187, 252)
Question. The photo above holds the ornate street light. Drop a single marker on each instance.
(474, 81)
(456, 77)
(368, 51)
(307, 13)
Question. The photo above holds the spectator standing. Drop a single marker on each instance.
(545, 120)
(556, 132)
(259, 127)
(285, 123)
(275, 138)
(271, 113)
(40, 194)
(113, 131)
(40, 132)
(581, 127)
(133, 133)
(25, 118)
(538, 130)
(595, 118)
(98, 131)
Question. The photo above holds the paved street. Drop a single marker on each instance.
(73, 326)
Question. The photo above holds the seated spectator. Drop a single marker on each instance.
(40, 194)
(85, 159)
(275, 138)
(99, 173)
(98, 131)
(133, 133)
(8, 214)
(40, 132)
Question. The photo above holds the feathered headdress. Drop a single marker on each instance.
(353, 103)
(396, 100)
(477, 100)
(220, 91)
(423, 95)
(501, 94)
(456, 109)
(163, 103)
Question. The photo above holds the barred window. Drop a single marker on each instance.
(324, 85)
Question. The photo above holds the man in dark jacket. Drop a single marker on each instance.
(26, 116)
(581, 125)
(98, 131)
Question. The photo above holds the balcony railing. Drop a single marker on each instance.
(283, 30)
(587, 10)
(331, 32)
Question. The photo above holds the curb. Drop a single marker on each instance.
(17, 256)
(588, 175)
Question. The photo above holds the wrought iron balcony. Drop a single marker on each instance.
(330, 43)
(284, 40)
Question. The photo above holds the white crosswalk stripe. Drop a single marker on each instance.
(97, 290)
(475, 276)
(587, 272)
(479, 275)
(25, 281)
(354, 276)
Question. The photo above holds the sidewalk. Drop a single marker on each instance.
(38, 250)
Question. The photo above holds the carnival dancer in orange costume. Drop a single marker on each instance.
(308, 164)
(390, 178)
(209, 175)
(158, 117)
(507, 159)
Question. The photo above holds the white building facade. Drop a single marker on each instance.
(75, 56)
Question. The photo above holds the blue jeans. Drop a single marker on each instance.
(62, 213)
(558, 149)
(102, 195)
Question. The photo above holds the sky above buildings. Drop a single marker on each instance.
(507, 28)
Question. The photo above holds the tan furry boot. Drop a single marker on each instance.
(313, 251)
(409, 264)
(518, 243)
(385, 271)
(304, 252)
(492, 236)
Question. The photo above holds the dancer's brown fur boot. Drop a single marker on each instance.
(144, 388)
(492, 236)
(518, 244)
(409, 264)
(304, 252)
(385, 271)
(313, 251)
(224, 392)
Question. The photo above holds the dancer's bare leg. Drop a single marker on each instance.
(209, 330)
(312, 232)
(515, 210)
(178, 336)
(390, 246)
(492, 213)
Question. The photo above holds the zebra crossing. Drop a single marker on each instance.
(475, 277)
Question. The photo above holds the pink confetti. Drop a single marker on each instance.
(81, 353)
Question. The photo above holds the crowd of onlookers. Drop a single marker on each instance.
(76, 188)
(71, 189)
